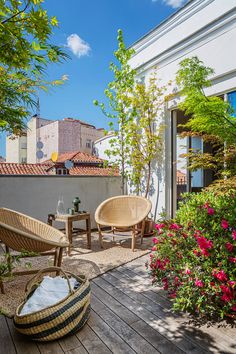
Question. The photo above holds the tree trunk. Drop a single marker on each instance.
(148, 180)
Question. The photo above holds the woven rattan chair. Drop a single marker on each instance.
(20, 232)
(123, 212)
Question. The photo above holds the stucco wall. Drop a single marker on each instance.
(33, 135)
(88, 133)
(203, 28)
(37, 196)
(48, 135)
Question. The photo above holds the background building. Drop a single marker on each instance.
(16, 148)
(45, 136)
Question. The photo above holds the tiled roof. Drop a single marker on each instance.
(23, 169)
(79, 121)
(78, 157)
(44, 169)
(93, 171)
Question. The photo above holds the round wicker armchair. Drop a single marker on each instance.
(20, 232)
(122, 212)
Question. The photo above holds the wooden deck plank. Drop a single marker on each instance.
(50, 348)
(137, 290)
(109, 336)
(23, 346)
(70, 343)
(91, 342)
(131, 337)
(164, 323)
(134, 277)
(79, 350)
(225, 340)
(154, 338)
(6, 343)
(128, 316)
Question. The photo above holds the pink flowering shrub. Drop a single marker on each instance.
(194, 256)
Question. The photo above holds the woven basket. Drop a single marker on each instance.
(63, 318)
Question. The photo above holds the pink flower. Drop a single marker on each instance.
(226, 297)
(227, 293)
(220, 275)
(233, 308)
(172, 295)
(159, 226)
(187, 271)
(155, 240)
(210, 211)
(203, 243)
(232, 283)
(154, 248)
(234, 235)
(206, 205)
(170, 234)
(232, 259)
(199, 283)
(225, 289)
(165, 283)
(229, 246)
(174, 227)
(205, 253)
(224, 224)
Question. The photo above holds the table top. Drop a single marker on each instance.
(75, 216)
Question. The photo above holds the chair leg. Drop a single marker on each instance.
(142, 230)
(100, 236)
(133, 239)
(56, 257)
(59, 261)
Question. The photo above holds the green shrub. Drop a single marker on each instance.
(193, 256)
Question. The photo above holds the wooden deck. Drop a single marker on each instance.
(128, 316)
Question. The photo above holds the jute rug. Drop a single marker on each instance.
(91, 263)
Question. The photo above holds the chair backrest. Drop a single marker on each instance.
(123, 211)
(19, 231)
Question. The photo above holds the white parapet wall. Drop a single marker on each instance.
(37, 196)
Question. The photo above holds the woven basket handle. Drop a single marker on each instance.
(37, 276)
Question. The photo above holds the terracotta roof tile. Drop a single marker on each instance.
(23, 169)
(77, 156)
(93, 171)
(44, 169)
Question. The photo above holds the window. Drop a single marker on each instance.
(232, 101)
(61, 171)
(88, 143)
(184, 180)
(24, 160)
(23, 145)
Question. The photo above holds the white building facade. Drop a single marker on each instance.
(45, 137)
(16, 148)
(202, 28)
(102, 145)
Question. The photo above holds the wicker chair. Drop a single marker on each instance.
(20, 232)
(123, 212)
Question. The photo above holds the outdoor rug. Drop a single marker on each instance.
(91, 263)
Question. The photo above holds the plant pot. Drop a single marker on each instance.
(149, 227)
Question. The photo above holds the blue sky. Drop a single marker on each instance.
(88, 31)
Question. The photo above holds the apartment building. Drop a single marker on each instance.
(16, 148)
(47, 136)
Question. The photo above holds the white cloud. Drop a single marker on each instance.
(77, 45)
(173, 3)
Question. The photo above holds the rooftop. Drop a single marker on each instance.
(84, 165)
